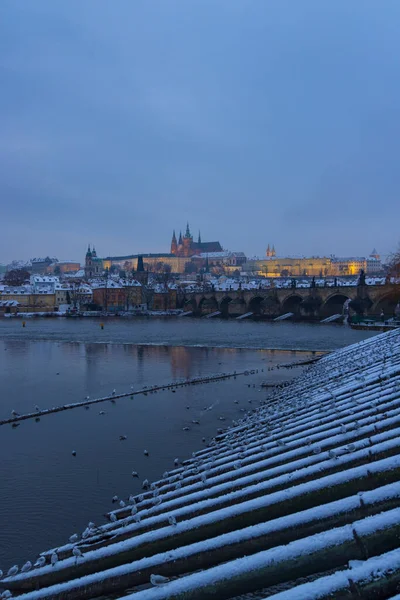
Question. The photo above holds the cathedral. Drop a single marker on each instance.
(270, 253)
(186, 247)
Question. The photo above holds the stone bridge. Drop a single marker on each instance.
(306, 303)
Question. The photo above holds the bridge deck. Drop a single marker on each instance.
(307, 484)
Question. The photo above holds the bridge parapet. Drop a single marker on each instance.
(305, 302)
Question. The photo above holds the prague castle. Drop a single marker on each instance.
(181, 252)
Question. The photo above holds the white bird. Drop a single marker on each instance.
(158, 579)
(102, 412)
(114, 392)
(122, 438)
(165, 475)
(122, 504)
(13, 571)
(6, 595)
(176, 462)
(171, 520)
(37, 408)
(86, 533)
(140, 497)
(145, 452)
(54, 558)
(133, 510)
(87, 397)
(76, 552)
(135, 474)
(14, 413)
(113, 517)
(157, 500)
(26, 567)
(115, 499)
(91, 525)
(145, 484)
(132, 499)
(41, 561)
(137, 518)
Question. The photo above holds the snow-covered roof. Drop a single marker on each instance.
(80, 273)
(7, 303)
(45, 279)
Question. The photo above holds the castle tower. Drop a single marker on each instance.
(174, 244)
(268, 252)
(375, 255)
(273, 253)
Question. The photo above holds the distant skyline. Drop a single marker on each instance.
(256, 121)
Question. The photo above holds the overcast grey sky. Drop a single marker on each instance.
(255, 120)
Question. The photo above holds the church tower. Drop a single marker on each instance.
(174, 244)
(88, 263)
(273, 253)
(268, 252)
(187, 242)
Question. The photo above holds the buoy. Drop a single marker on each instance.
(102, 325)
(23, 323)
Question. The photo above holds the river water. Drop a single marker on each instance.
(47, 493)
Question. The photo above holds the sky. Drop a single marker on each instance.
(258, 121)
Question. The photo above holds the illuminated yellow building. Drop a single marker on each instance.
(40, 302)
(151, 262)
(314, 266)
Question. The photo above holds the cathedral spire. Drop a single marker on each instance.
(174, 244)
(199, 240)
(187, 234)
(180, 239)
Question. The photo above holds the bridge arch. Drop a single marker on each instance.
(292, 304)
(207, 305)
(189, 304)
(333, 305)
(387, 303)
(255, 305)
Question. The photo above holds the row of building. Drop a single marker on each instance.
(46, 293)
(189, 256)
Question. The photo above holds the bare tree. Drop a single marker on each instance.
(394, 263)
(16, 277)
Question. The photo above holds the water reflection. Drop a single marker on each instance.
(47, 493)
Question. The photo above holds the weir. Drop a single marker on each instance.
(307, 485)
